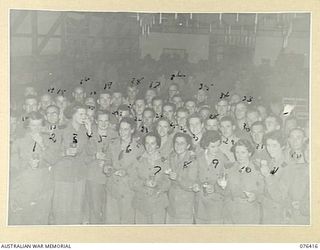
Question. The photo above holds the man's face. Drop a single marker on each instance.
(191, 107)
(252, 117)
(177, 100)
(157, 106)
(52, 115)
(139, 106)
(45, 101)
(227, 128)
(240, 111)
(149, 95)
(296, 139)
(182, 118)
(257, 133)
(204, 113)
(151, 144)
(104, 101)
(201, 96)
(273, 147)
(78, 94)
(168, 112)
(289, 125)
(147, 118)
(212, 124)
(125, 130)
(271, 124)
(195, 125)
(117, 99)
(163, 128)
(181, 145)
(61, 102)
(35, 126)
(173, 90)
(262, 111)
(80, 116)
(222, 107)
(103, 121)
(30, 105)
(132, 92)
(235, 99)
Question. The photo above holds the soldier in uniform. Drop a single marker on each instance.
(151, 183)
(122, 154)
(183, 173)
(229, 138)
(70, 172)
(31, 183)
(163, 129)
(211, 164)
(245, 187)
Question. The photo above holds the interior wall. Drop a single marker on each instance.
(197, 46)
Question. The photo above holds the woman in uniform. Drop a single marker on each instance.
(183, 173)
(151, 184)
(244, 187)
(122, 155)
(211, 164)
(286, 197)
(31, 182)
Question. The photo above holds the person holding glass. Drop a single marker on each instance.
(183, 173)
(151, 184)
(211, 164)
(245, 187)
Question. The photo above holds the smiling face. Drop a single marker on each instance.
(195, 125)
(30, 105)
(52, 115)
(274, 148)
(222, 107)
(227, 128)
(104, 101)
(125, 130)
(213, 147)
(79, 94)
(139, 106)
(163, 128)
(191, 107)
(182, 118)
(147, 118)
(157, 106)
(117, 99)
(168, 112)
(180, 145)
(257, 133)
(173, 90)
(45, 101)
(151, 144)
(240, 111)
(177, 100)
(103, 121)
(242, 154)
(150, 94)
(296, 139)
(212, 124)
(80, 116)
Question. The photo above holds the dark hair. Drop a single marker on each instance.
(170, 104)
(193, 116)
(72, 109)
(151, 134)
(274, 135)
(277, 118)
(227, 118)
(185, 136)
(128, 120)
(242, 142)
(102, 112)
(32, 116)
(258, 123)
(208, 137)
(53, 106)
(149, 109)
(156, 98)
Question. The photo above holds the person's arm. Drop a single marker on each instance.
(188, 177)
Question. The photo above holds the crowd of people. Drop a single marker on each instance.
(168, 151)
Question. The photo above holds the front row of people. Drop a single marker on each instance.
(84, 174)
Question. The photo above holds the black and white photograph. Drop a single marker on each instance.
(148, 118)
